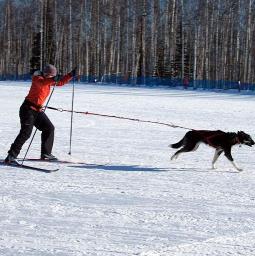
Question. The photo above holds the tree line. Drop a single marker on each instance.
(194, 39)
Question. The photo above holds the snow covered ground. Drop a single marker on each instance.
(128, 198)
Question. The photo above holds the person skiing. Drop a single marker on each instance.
(31, 112)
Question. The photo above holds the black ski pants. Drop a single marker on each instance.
(28, 119)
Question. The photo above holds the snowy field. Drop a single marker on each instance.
(128, 198)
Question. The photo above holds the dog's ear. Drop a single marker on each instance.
(240, 133)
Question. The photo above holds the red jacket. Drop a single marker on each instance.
(40, 89)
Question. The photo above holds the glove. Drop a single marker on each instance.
(56, 78)
(73, 72)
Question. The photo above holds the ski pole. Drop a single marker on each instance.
(36, 128)
(71, 126)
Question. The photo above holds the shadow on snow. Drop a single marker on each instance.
(137, 168)
(124, 168)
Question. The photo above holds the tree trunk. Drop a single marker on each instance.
(247, 44)
(70, 41)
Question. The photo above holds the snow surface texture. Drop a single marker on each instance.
(128, 198)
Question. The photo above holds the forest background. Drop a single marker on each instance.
(137, 41)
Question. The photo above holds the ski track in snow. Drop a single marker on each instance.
(128, 198)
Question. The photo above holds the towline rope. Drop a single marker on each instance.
(119, 117)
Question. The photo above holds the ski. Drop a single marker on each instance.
(24, 166)
(50, 161)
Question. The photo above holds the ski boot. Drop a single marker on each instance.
(48, 157)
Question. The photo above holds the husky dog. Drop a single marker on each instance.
(221, 141)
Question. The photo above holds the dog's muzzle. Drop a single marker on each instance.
(249, 143)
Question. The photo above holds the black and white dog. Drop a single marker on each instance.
(221, 141)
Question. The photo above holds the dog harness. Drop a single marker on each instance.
(208, 140)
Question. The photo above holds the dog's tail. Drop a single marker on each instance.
(177, 145)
